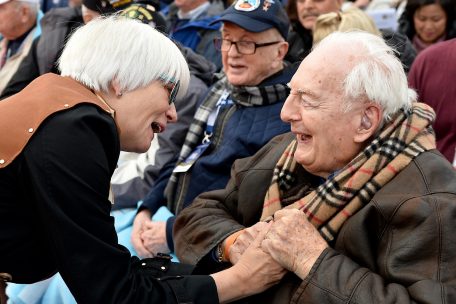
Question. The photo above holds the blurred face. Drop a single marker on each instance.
(252, 69)
(324, 132)
(139, 113)
(430, 22)
(309, 10)
(10, 20)
(188, 5)
(88, 14)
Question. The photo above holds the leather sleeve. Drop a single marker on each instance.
(215, 215)
(417, 255)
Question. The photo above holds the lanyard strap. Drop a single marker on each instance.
(223, 100)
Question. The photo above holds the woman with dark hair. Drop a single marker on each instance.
(426, 22)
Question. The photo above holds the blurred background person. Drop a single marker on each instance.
(426, 22)
(303, 15)
(433, 75)
(19, 25)
(190, 23)
(351, 19)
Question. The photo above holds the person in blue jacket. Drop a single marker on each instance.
(240, 114)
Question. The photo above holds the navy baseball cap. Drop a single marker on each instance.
(257, 16)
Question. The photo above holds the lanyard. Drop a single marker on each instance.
(223, 100)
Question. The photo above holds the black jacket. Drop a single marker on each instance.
(55, 213)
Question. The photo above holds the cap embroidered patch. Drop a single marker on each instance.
(246, 5)
(267, 4)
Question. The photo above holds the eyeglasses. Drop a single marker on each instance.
(242, 47)
(172, 86)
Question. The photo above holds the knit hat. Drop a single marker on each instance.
(257, 16)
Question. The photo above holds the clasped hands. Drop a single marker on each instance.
(148, 237)
(291, 240)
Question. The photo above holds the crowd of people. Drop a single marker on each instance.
(206, 151)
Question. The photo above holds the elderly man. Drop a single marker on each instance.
(239, 115)
(369, 205)
(304, 13)
(18, 28)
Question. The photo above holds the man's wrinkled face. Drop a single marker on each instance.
(309, 10)
(324, 130)
(10, 19)
(250, 70)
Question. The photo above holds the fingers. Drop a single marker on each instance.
(285, 212)
(139, 246)
(260, 237)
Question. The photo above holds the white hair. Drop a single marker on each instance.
(124, 50)
(377, 74)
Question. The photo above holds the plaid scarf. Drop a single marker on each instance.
(246, 96)
(342, 195)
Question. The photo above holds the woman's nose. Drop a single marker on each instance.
(171, 114)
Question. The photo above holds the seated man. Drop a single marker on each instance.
(19, 25)
(239, 116)
(373, 204)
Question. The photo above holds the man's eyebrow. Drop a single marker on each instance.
(304, 92)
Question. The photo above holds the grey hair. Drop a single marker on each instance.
(124, 50)
(377, 74)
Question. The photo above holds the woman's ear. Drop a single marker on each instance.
(368, 124)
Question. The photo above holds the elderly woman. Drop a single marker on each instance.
(61, 138)
(363, 206)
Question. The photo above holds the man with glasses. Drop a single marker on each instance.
(18, 28)
(238, 116)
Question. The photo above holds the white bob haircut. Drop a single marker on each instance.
(123, 50)
(377, 74)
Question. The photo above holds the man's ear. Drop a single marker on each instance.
(116, 88)
(283, 50)
(371, 119)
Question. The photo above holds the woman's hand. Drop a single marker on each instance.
(244, 240)
(255, 272)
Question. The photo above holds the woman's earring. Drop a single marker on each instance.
(119, 95)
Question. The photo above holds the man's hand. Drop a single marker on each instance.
(139, 225)
(294, 242)
(244, 240)
(154, 238)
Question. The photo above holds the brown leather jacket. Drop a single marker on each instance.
(399, 248)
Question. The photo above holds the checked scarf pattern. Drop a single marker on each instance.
(402, 139)
(247, 96)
